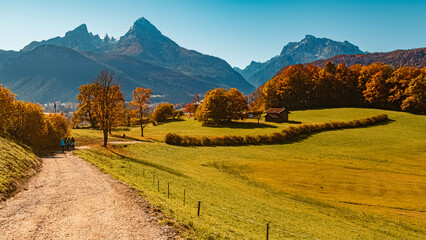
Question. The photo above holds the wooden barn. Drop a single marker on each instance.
(276, 115)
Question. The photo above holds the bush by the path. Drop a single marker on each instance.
(27, 123)
(274, 138)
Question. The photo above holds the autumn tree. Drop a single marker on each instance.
(7, 100)
(290, 89)
(86, 110)
(190, 108)
(220, 106)
(140, 105)
(237, 107)
(416, 95)
(376, 88)
(399, 82)
(29, 125)
(163, 112)
(348, 92)
(214, 106)
(108, 102)
(128, 115)
(57, 128)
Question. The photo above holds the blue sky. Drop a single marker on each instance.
(235, 30)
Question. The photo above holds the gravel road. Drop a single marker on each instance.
(71, 199)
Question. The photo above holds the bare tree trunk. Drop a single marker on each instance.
(105, 137)
(141, 130)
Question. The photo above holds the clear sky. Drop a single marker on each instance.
(236, 30)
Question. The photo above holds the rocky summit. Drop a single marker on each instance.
(307, 50)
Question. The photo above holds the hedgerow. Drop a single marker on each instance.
(274, 138)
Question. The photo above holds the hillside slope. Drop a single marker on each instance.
(16, 164)
(49, 73)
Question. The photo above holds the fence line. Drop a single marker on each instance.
(190, 197)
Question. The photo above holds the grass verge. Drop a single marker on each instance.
(17, 163)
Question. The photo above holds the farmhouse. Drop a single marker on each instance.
(276, 115)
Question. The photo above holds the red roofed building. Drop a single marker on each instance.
(276, 115)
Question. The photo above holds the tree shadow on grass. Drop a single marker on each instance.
(149, 140)
(241, 125)
(146, 163)
(174, 120)
(293, 122)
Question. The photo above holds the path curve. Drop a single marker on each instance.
(71, 199)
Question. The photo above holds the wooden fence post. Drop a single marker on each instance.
(199, 205)
(168, 190)
(158, 185)
(267, 231)
(184, 197)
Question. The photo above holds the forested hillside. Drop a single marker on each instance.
(376, 85)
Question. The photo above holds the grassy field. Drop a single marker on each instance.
(366, 183)
(16, 163)
(189, 126)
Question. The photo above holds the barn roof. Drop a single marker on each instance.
(276, 110)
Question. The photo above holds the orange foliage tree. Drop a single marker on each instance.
(416, 95)
(140, 105)
(163, 111)
(221, 105)
(27, 123)
(86, 110)
(7, 100)
(108, 103)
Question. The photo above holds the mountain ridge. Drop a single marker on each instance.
(161, 64)
(307, 50)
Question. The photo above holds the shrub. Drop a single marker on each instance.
(27, 123)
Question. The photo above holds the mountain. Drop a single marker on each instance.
(49, 73)
(6, 55)
(78, 39)
(52, 70)
(145, 42)
(307, 50)
(396, 59)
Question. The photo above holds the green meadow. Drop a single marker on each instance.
(364, 183)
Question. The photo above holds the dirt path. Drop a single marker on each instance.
(71, 199)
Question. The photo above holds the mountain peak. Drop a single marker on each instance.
(142, 25)
(82, 29)
(307, 36)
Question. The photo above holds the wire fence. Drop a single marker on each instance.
(202, 204)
